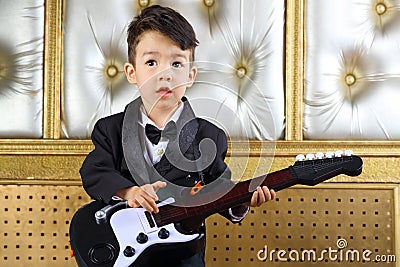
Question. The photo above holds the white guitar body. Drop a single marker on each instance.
(129, 224)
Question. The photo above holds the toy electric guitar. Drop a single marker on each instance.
(116, 235)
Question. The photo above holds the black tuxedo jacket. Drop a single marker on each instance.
(117, 160)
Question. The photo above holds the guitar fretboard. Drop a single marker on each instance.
(239, 194)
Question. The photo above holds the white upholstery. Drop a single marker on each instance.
(240, 59)
(21, 71)
(89, 51)
(352, 69)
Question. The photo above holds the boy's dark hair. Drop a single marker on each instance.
(166, 21)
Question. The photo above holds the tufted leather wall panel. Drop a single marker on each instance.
(21, 71)
(240, 60)
(352, 69)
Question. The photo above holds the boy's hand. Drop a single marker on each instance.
(261, 195)
(144, 196)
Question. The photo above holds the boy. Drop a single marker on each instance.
(126, 162)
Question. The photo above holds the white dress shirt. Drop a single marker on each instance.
(153, 153)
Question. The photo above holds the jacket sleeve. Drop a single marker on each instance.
(100, 177)
(220, 170)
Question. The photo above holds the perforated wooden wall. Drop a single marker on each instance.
(355, 219)
(35, 221)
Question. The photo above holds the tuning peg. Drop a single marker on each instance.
(348, 153)
(300, 157)
(310, 156)
(338, 153)
(319, 155)
(330, 155)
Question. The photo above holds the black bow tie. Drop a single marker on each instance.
(154, 134)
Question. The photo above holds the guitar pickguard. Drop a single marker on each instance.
(136, 231)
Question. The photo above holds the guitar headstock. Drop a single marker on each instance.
(312, 169)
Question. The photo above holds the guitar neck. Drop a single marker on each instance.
(239, 194)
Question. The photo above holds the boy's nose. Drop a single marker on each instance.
(165, 75)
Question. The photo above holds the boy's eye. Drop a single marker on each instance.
(177, 64)
(151, 63)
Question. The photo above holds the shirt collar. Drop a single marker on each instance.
(144, 118)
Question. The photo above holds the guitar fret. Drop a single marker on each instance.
(238, 195)
(307, 173)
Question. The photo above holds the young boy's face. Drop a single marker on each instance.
(162, 71)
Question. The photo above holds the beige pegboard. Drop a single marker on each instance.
(35, 220)
(305, 219)
(34, 224)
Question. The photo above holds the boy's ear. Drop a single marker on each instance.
(192, 76)
(130, 73)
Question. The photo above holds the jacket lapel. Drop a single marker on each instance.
(187, 127)
(131, 142)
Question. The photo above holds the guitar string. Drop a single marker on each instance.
(322, 165)
(179, 211)
(313, 166)
(172, 212)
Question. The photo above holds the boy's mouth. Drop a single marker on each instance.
(164, 92)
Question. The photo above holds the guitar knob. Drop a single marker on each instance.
(338, 153)
(348, 153)
(163, 233)
(330, 155)
(310, 156)
(100, 216)
(300, 157)
(129, 251)
(142, 238)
